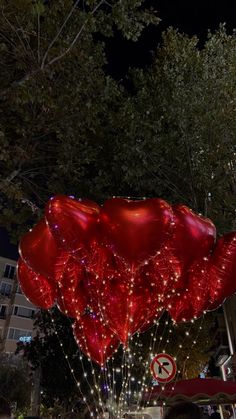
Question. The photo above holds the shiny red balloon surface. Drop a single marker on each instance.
(136, 229)
(125, 263)
(95, 339)
(38, 289)
(72, 298)
(73, 222)
(222, 271)
(38, 249)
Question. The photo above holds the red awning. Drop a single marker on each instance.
(196, 389)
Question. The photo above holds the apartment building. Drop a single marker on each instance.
(16, 312)
(223, 355)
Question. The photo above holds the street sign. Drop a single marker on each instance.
(163, 368)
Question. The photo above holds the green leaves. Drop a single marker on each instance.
(130, 23)
(68, 127)
(15, 383)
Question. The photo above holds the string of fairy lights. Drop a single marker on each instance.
(175, 356)
(110, 374)
(123, 367)
(78, 384)
(126, 367)
(126, 379)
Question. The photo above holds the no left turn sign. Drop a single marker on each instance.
(163, 368)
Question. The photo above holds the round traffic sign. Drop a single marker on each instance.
(163, 368)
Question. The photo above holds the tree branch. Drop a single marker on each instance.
(55, 59)
(20, 82)
(58, 34)
(76, 37)
(38, 36)
(32, 206)
(9, 179)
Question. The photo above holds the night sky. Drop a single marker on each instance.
(191, 17)
(7, 249)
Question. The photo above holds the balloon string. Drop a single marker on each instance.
(93, 375)
(177, 375)
(68, 363)
(103, 378)
(146, 364)
(173, 277)
(176, 356)
(123, 377)
(178, 371)
(114, 395)
(110, 382)
(102, 279)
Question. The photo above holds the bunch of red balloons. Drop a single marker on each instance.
(115, 268)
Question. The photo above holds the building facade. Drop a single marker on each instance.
(223, 355)
(16, 312)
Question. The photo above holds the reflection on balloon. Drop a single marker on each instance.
(38, 289)
(38, 249)
(95, 339)
(116, 268)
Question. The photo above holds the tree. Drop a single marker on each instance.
(56, 98)
(68, 127)
(179, 126)
(63, 366)
(15, 383)
(87, 135)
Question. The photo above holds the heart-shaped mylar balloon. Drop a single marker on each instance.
(116, 268)
(128, 305)
(72, 297)
(73, 300)
(181, 309)
(198, 286)
(194, 299)
(222, 271)
(39, 290)
(193, 235)
(136, 229)
(73, 222)
(38, 250)
(94, 338)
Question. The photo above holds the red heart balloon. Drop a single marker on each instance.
(222, 272)
(136, 229)
(128, 306)
(94, 338)
(193, 236)
(39, 251)
(72, 222)
(72, 301)
(181, 309)
(39, 290)
(198, 286)
(165, 270)
(72, 297)
(112, 282)
(150, 321)
(194, 300)
(70, 271)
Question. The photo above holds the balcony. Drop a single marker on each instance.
(5, 294)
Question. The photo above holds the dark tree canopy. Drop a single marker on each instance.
(66, 126)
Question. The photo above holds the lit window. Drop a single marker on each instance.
(5, 289)
(16, 334)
